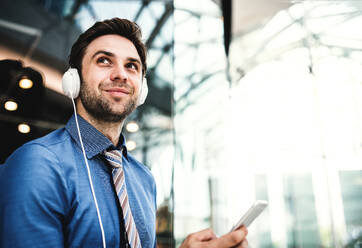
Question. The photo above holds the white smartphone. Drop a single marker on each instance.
(251, 214)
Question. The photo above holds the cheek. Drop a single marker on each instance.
(93, 79)
(137, 84)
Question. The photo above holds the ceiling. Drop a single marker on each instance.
(40, 34)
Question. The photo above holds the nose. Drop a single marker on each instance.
(119, 73)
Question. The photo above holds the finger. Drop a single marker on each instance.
(204, 235)
(243, 228)
(230, 239)
(245, 244)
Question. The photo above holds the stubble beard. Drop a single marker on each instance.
(100, 108)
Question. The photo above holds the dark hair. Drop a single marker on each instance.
(123, 27)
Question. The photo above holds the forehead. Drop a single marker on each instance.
(116, 44)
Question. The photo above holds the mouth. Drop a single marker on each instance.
(117, 92)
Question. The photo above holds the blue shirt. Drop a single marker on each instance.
(46, 200)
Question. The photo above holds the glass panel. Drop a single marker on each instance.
(286, 128)
(300, 205)
(264, 231)
(351, 187)
(200, 108)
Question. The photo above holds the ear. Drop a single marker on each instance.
(143, 92)
(71, 83)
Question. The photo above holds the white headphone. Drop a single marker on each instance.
(71, 86)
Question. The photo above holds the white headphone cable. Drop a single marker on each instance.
(90, 178)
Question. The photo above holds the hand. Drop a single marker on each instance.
(207, 239)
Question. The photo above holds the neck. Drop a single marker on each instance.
(111, 130)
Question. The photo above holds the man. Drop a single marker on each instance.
(47, 196)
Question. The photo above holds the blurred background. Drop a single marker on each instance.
(247, 100)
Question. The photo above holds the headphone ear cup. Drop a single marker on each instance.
(71, 83)
(143, 93)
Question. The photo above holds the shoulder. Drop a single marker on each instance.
(34, 159)
(34, 174)
(52, 139)
(39, 147)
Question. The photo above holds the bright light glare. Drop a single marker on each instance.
(131, 145)
(132, 127)
(23, 128)
(11, 105)
(25, 83)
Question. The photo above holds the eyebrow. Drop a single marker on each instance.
(134, 60)
(103, 52)
(110, 54)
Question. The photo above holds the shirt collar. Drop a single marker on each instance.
(94, 141)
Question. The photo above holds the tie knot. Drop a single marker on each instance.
(114, 157)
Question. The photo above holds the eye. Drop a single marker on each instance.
(103, 60)
(133, 66)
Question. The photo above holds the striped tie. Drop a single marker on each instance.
(114, 157)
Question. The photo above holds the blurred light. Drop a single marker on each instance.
(11, 105)
(131, 145)
(23, 128)
(132, 127)
(25, 83)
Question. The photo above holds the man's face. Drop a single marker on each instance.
(112, 75)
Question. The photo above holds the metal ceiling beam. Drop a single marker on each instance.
(76, 6)
(144, 4)
(32, 122)
(165, 49)
(194, 86)
(37, 33)
(166, 14)
(20, 28)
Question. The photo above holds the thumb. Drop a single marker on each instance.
(230, 239)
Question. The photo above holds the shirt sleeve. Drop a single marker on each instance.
(32, 199)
